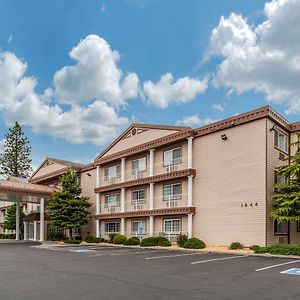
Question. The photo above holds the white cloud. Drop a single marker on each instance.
(166, 92)
(218, 106)
(103, 7)
(194, 120)
(95, 76)
(10, 38)
(96, 123)
(265, 58)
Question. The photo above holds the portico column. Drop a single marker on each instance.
(42, 220)
(17, 221)
(25, 231)
(151, 162)
(151, 226)
(123, 226)
(190, 152)
(122, 200)
(190, 190)
(123, 169)
(190, 225)
(97, 201)
(35, 230)
(151, 196)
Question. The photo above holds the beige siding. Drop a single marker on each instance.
(231, 174)
(48, 169)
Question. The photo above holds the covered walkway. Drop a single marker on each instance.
(20, 192)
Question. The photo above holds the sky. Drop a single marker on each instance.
(76, 73)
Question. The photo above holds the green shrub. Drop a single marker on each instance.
(4, 236)
(254, 247)
(93, 239)
(133, 241)
(149, 241)
(162, 241)
(236, 245)
(111, 237)
(194, 243)
(119, 239)
(72, 241)
(293, 249)
(181, 239)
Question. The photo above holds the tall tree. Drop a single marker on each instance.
(286, 202)
(67, 208)
(15, 160)
(10, 218)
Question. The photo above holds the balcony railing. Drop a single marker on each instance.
(167, 167)
(171, 201)
(110, 208)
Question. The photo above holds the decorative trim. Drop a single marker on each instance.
(147, 180)
(144, 213)
(35, 217)
(295, 126)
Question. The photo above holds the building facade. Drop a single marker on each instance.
(214, 182)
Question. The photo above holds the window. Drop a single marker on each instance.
(139, 165)
(281, 141)
(136, 225)
(172, 191)
(279, 179)
(172, 225)
(172, 156)
(280, 228)
(112, 227)
(298, 226)
(112, 172)
(112, 200)
(138, 197)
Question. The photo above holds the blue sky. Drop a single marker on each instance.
(149, 61)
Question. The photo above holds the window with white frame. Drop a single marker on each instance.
(139, 165)
(279, 179)
(112, 200)
(172, 156)
(280, 228)
(138, 225)
(281, 141)
(112, 172)
(138, 196)
(172, 225)
(172, 191)
(112, 227)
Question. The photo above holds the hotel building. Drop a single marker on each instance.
(214, 182)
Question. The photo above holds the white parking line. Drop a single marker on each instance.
(174, 255)
(278, 265)
(215, 259)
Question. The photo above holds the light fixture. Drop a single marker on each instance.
(274, 127)
(224, 137)
(88, 174)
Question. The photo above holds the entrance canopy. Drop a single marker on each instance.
(14, 191)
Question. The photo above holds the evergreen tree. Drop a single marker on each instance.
(15, 160)
(67, 208)
(286, 202)
(10, 218)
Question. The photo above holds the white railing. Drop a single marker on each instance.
(176, 165)
(106, 180)
(171, 201)
(110, 208)
(135, 174)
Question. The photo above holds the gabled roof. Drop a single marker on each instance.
(66, 163)
(141, 127)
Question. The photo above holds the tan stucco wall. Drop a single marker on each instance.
(230, 173)
(48, 169)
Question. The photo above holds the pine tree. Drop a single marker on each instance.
(67, 208)
(286, 202)
(10, 218)
(15, 160)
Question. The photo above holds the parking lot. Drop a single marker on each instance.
(95, 272)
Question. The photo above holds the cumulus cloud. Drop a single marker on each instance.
(95, 75)
(218, 106)
(264, 58)
(166, 92)
(95, 123)
(194, 120)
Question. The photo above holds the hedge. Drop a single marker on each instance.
(72, 241)
(293, 249)
(93, 239)
(4, 236)
(181, 239)
(155, 241)
(236, 245)
(133, 241)
(119, 239)
(194, 243)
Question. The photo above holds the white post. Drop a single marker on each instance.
(25, 231)
(190, 190)
(151, 226)
(35, 230)
(123, 200)
(17, 221)
(151, 162)
(123, 169)
(97, 213)
(42, 220)
(151, 196)
(190, 225)
(123, 226)
(97, 176)
(190, 152)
